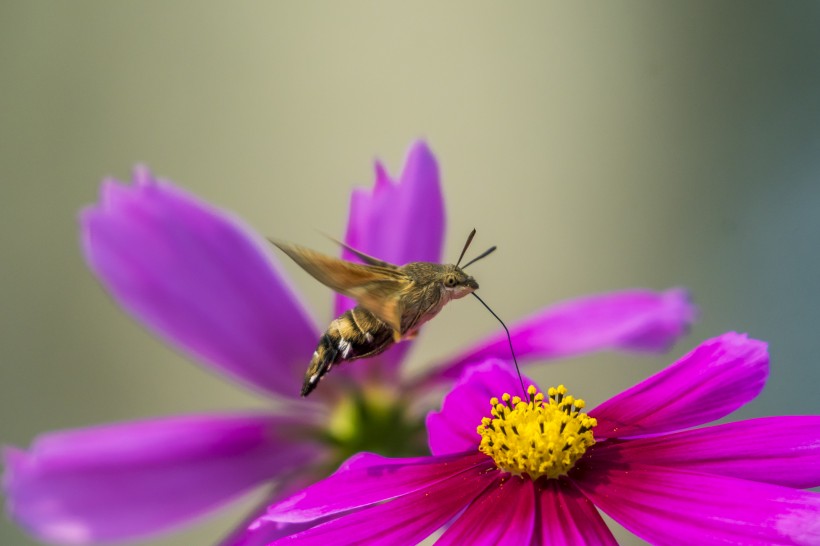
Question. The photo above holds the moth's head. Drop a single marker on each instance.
(456, 282)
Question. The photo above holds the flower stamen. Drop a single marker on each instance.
(546, 438)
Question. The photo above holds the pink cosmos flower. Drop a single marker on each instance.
(205, 283)
(533, 471)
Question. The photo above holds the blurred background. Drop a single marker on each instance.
(602, 146)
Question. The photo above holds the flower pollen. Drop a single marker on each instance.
(539, 437)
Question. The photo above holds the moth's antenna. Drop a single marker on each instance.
(509, 339)
(466, 246)
(482, 255)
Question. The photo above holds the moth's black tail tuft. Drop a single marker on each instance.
(323, 359)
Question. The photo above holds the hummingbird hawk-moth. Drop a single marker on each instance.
(392, 302)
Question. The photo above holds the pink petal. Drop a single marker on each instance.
(776, 450)
(639, 320)
(367, 478)
(131, 480)
(567, 518)
(398, 222)
(671, 506)
(503, 514)
(248, 533)
(263, 535)
(243, 536)
(406, 520)
(201, 280)
(453, 429)
(712, 381)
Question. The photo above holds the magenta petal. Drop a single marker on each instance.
(567, 518)
(715, 379)
(453, 429)
(131, 480)
(249, 533)
(639, 320)
(406, 520)
(671, 506)
(366, 479)
(776, 450)
(201, 280)
(243, 536)
(503, 514)
(265, 534)
(398, 222)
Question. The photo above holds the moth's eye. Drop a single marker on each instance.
(450, 282)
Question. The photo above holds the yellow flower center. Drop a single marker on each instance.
(539, 437)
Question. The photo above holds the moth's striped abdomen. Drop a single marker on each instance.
(355, 334)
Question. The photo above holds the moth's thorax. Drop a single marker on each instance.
(432, 286)
(425, 272)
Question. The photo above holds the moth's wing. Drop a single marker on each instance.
(364, 257)
(384, 299)
(377, 289)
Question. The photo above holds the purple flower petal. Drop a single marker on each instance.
(125, 481)
(567, 518)
(248, 533)
(671, 506)
(503, 514)
(639, 320)
(777, 450)
(398, 223)
(453, 429)
(243, 536)
(715, 379)
(367, 479)
(201, 280)
(406, 520)
(265, 534)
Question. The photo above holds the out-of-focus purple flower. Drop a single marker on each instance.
(204, 282)
(536, 469)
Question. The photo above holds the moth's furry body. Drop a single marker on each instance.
(393, 303)
(355, 334)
